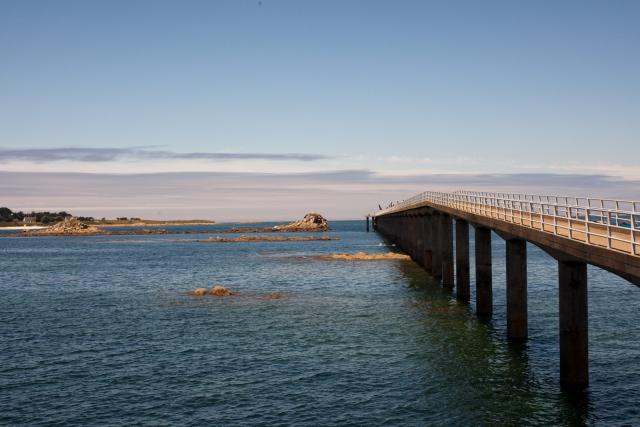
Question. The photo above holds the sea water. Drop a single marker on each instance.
(100, 330)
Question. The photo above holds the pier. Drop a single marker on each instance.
(574, 231)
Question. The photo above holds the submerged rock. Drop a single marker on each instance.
(277, 296)
(221, 291)
(200, 292)
(267, 238)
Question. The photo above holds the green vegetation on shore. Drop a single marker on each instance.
(8, 217)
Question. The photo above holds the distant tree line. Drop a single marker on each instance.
(7, 215)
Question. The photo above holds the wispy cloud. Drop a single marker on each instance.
(77, 154)
(263, 196)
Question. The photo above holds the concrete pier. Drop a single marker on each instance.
(422, 227)
(484, 285)
(517, 289)
(462, 260)
(574, 326)
(446, 233)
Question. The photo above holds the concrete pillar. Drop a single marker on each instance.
(409, 236)
(367, 220)
(419, 240)
(517, 289)
(427, 242)
(446, 230)
(462, 260)
(484, 288)
(414, 236)
(406, 235)
(436, 255)
(574, 325)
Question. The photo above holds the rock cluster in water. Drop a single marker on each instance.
(221, 291)
(268, 238)
(69, 226)
(216, 291)
(311, 222)
(362, 256)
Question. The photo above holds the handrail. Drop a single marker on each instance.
(614, 224)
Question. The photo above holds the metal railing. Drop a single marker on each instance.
(614, 224)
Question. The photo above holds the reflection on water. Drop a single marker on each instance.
(99, 330)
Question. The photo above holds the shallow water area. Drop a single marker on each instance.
(100, 330)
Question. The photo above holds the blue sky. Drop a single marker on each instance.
(393, 88)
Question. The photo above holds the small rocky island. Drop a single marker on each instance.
(311, 222)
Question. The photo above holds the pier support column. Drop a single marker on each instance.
(420, 239)
(574, 325)
(446, 230)
(517, 289)
(407, 235)
(417, 239)
(484, 288)
(462, 260)
(413, 242)
(436, 255)
(427, 242)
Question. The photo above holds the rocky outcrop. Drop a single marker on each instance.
(311, 222)
(68, 227)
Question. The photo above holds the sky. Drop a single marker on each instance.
(249, 110)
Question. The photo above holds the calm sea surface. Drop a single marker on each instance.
(99, 331)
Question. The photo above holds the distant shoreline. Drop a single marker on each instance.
(141, 223)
